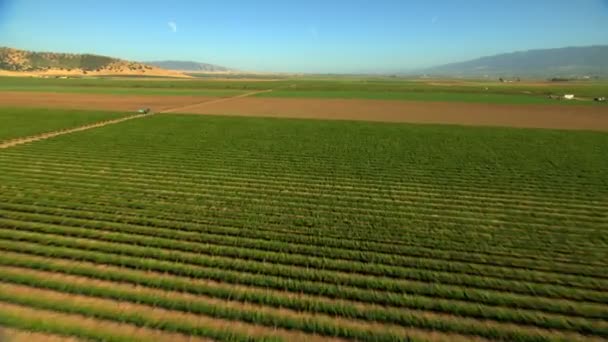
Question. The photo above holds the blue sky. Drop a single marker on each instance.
(303, 36)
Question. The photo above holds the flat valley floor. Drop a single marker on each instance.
(559, 116)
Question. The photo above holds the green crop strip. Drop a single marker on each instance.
(309, 325)
(218, 242)
(277, 234)
(23, 122)
(250, 316)
(124, 317)
(261, 296)
(324, 87)
(470, 231)
(9, 319)
(313, 288)
(294, 272)
(146, 238)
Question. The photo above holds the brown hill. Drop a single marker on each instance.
(16, 62)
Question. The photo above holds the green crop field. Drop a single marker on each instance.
(23, 122)
(380, 88)
(246, 229)
(419, 96)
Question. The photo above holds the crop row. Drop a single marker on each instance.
(535, 284)
(271, 240)
(309, 304)
(376, 178)
(291, 321)
(41, 324)
(262, 205)
(343, 161)
(350, 187)
(140, 258)
(120, 316)
(147, 226)
(385, 205)
(465, 261)
(339, 151)
(356, 231)
(286, 272)
(347, 186)
(263, 317)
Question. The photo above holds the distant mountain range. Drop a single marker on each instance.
(189, 66)
(22, 62)
(561, 62)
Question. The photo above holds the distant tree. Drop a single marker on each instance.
(501, 79)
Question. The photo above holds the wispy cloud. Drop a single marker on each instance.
(434, 19)
(172, 26)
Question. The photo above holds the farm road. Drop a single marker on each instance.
(25, 140)
(203, 103)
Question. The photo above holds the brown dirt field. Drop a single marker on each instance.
(96, 101)
(572, 117)
(218, 100)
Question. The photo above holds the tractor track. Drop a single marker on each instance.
(197, 105)
(48, 135)
(43, 136)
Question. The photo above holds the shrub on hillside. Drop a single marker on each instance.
(92, 62)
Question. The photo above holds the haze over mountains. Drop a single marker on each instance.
(189, 66)
(561, 62)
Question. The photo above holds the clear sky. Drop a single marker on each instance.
(303, 35)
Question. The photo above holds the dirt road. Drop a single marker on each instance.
(206, 102)
(25, 140)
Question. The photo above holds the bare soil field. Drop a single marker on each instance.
(573, 117)
(532, 116)
(96, 101)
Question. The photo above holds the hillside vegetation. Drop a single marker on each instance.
(14, 60)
